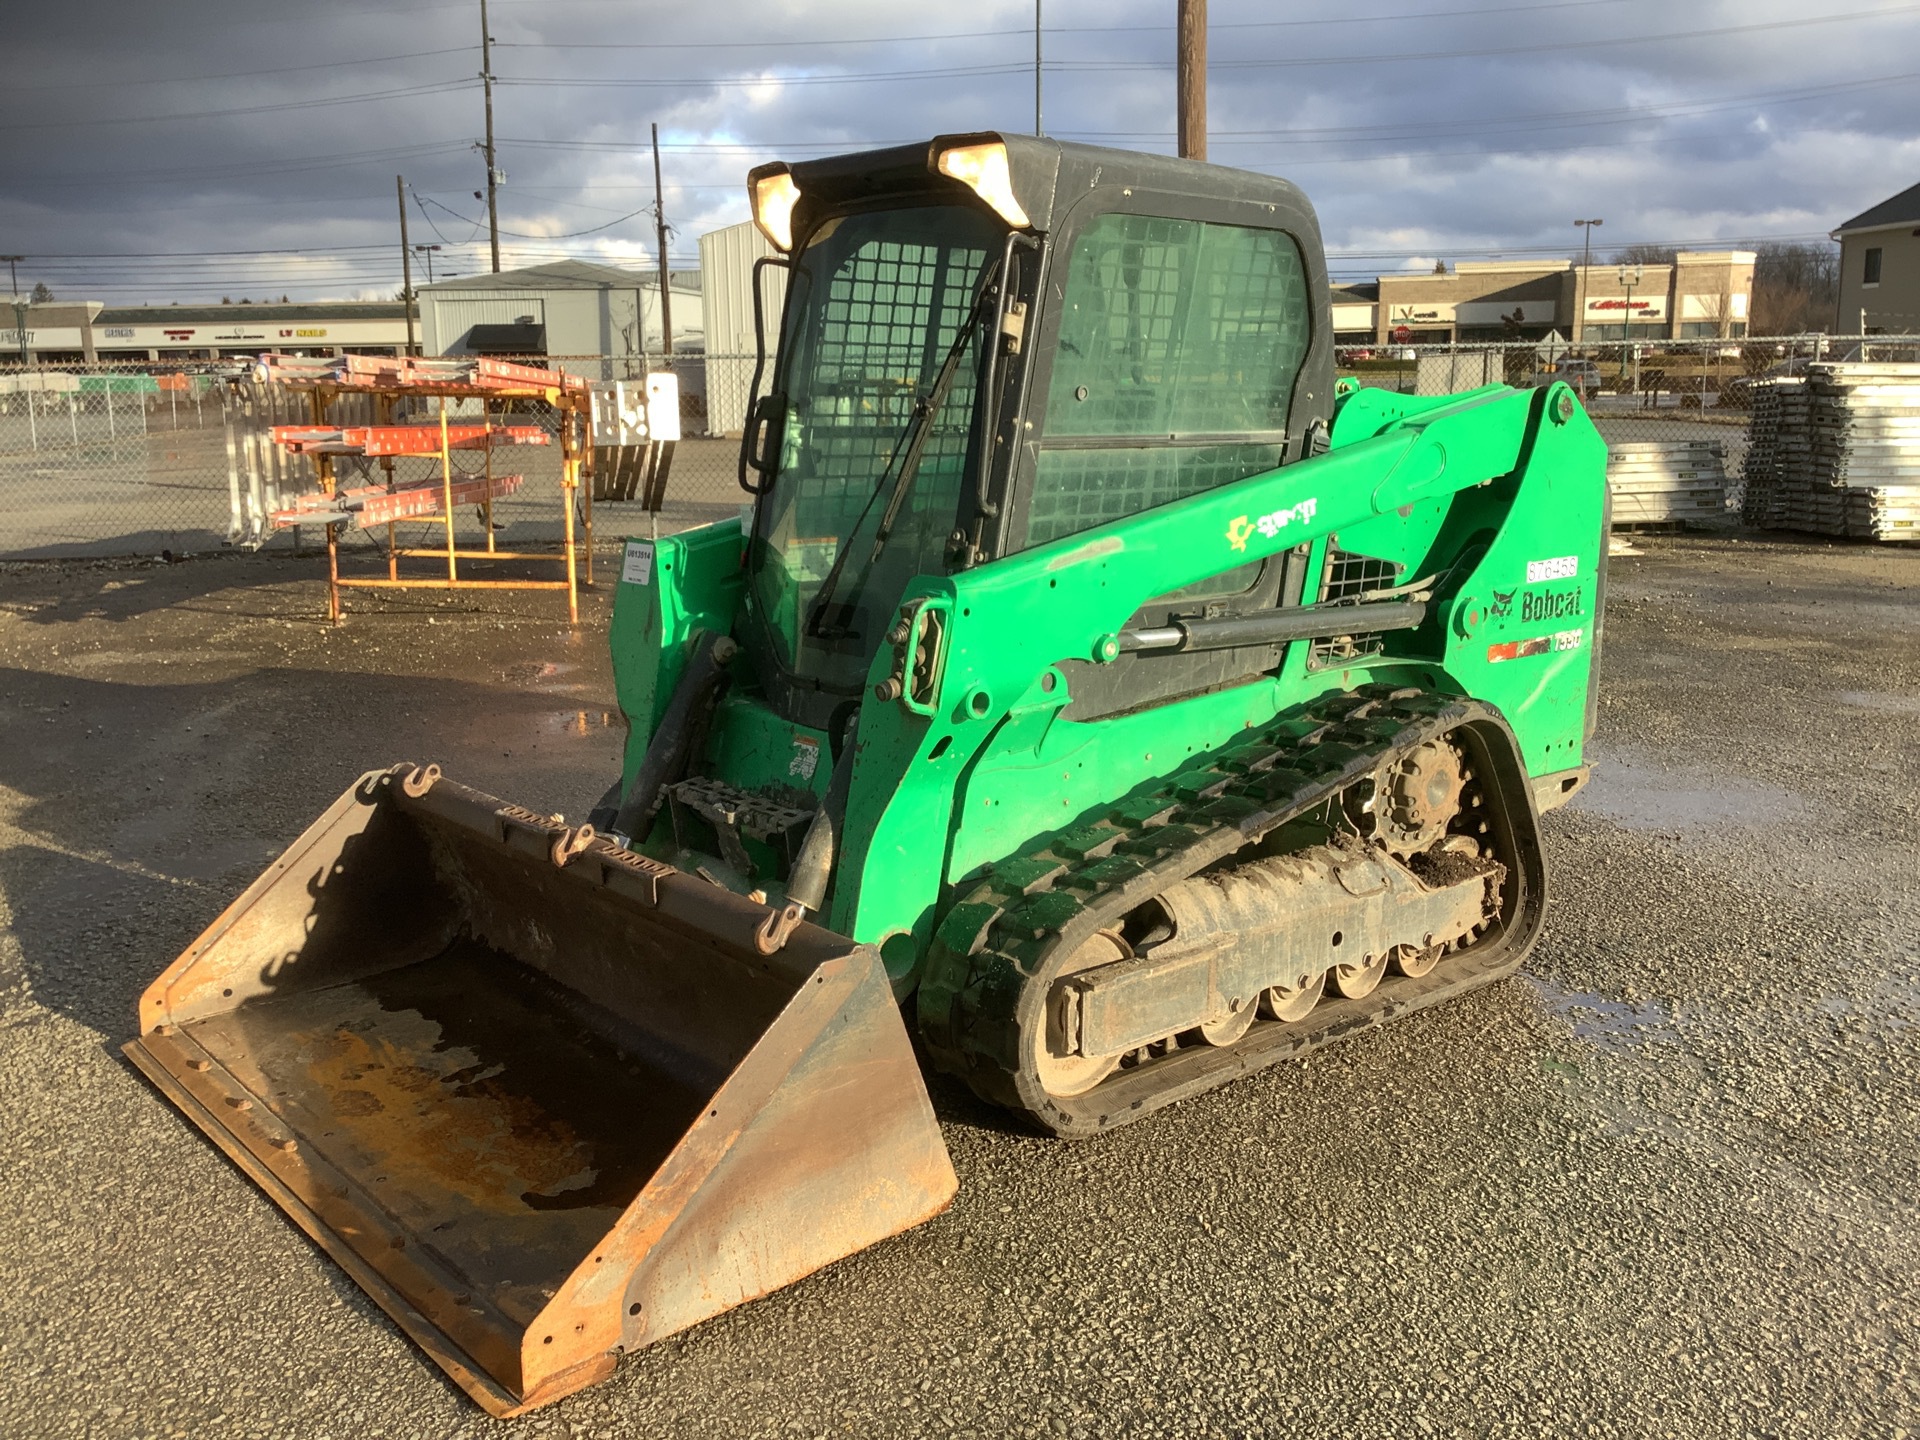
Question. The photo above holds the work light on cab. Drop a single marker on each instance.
(774, 196)
(983, 169)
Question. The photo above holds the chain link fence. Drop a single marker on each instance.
(123, 459)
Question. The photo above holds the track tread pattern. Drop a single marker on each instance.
(1012, 922)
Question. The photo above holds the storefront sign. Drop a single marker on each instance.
(1428, 314)
(1613, 308)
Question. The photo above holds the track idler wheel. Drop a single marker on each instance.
(1056, 1061)
(1295, 1003)
(1228, 1028)
(1414, 961)
(1361, 979)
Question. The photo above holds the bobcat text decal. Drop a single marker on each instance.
(1241, 529)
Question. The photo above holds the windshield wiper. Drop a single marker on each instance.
(908, 455)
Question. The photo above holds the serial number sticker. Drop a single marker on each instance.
(637, 569)
(1563, 568)
(806, 757)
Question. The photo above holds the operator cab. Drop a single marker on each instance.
(994, 341)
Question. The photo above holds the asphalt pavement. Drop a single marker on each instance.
(1660, 1184)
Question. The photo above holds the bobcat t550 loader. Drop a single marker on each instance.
(1095, 691)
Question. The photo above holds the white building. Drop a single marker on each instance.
(727, 259)
(567, 308)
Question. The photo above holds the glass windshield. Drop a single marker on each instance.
(877, 302)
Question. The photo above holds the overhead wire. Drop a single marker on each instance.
(356, 62)
(1026, 32)
(437, 87)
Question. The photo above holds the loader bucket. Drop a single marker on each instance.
(545, 1100)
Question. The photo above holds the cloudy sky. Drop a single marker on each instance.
(157, 150)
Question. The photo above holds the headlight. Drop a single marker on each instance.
(774, 195)
(983, 169)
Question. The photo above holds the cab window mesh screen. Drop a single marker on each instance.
(1085, 488)
(891, 310)
(878, 301)
(1173, 330)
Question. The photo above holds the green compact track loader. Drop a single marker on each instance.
(1096, 694)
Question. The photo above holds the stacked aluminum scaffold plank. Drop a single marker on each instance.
(1838, 452)
(1667, 482)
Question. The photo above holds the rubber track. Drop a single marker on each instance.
(997, 950)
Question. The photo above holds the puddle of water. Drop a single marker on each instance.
(578, 722)
(1644, 796)
(1891, 1002)
(1618, 1026)
(1881, 700)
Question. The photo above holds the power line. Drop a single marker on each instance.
(437, 87)
(846, 77)
(1024, 32)
(356, 62)
(1604, 42)
(1547, 119)
(298, 164)
(525, 235)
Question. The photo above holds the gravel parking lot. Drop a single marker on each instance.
(1661, 1184)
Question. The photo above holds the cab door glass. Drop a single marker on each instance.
(1180, 342)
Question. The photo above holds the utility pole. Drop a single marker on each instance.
(20, 313)
(1190, 78)
(406, 260)
(1036, 69)
(660, 231)
(493, 170)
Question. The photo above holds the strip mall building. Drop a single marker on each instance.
(74, 333)
(1703, 295)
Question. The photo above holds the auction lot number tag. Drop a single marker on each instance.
(638, 567)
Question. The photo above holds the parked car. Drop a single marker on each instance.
(1581, 373)
(1737, 393)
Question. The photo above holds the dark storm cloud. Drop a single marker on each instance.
(1447, 133)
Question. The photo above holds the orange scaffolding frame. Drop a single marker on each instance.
(391, 378)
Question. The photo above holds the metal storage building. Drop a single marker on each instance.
(567, 308)
(726, 288)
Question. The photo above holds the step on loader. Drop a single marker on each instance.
(1095, 690)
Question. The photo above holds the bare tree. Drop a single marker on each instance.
(1795, 288)
(1645, 255)
(41, 294)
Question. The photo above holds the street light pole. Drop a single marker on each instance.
(428, 251)
(406, 260)
(1629, 279)
(1586, 265)
(19, 310)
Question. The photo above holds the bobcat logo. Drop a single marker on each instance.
(1240, 529)
(1502, 604)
